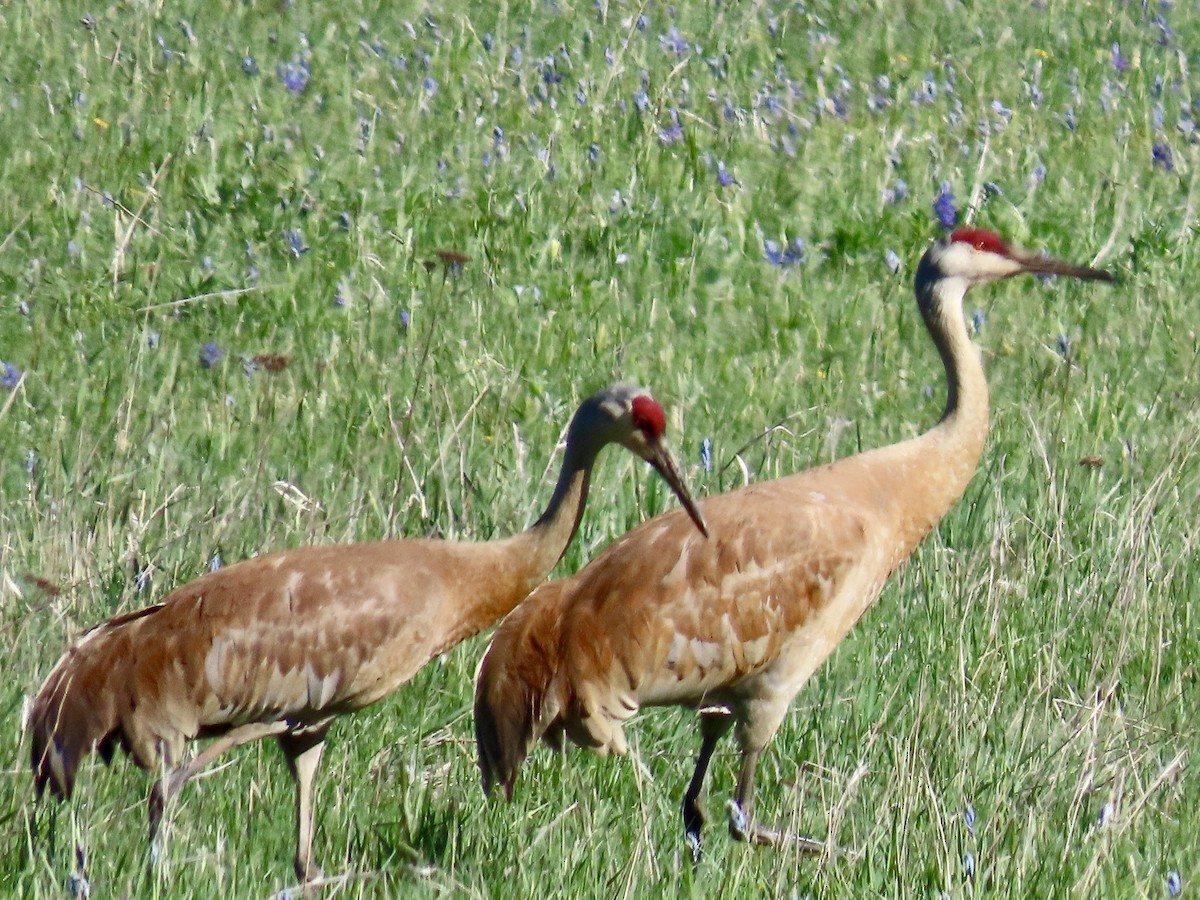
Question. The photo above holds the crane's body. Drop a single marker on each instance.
(280, 645)
(736, 624)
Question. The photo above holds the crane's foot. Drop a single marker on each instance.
(693, 842)
(694, 818)
(742, 829)
(308, 872)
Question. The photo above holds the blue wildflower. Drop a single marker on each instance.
(214, 562)
(10, 376)
(1163, 157)
(944, 208)
(789, 254)
(295, 74)
(897, 192)
(673, 41)
(969, 865)
(429, 85)
(405, 319)
(969, 811)
(295, 243)
(893, 261)
(249, 66)
(152, 339)
(706, 454)
(1119, 62)
(1174, 883)
(210, 354)
(977, 320)
(724, 179)
(1064, 348)
(207, 265)
(674, 132)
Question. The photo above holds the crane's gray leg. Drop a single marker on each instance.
(713, 726)
(166, 788)
(741, 814)
(303, 753)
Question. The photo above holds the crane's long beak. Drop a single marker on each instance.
(664, 464)
(1046, 265)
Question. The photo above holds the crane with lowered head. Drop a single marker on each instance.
(280, 645)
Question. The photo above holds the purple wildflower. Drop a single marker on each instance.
(1174, 883)
(673, 41)
(1119, 62)
(969, 865)
(724, 179)
(295, 243)
(295, 74)
(429, 85)
(10, 376)
(977, 319)
(944, 208)
(214, 562)
(405, 319)
(1163, 157)
(210, 354)
(706, 454)
(893, 262)
(673, 133)
(897, 192)
(790, 254)
(969, 811)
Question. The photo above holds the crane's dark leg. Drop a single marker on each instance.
(303, 753)
(713, 726)
(741, 814)
(173, 780)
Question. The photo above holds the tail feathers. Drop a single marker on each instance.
(514, 698)
(76, 711)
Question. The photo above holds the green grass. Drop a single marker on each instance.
(1037, 658)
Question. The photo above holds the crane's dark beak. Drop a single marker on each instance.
(664, 464)
(1046, 265)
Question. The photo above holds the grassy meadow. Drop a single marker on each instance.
(225, 329)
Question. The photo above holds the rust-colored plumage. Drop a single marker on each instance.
(734, 625)
(280, 645)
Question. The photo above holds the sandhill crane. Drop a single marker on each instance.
(734, 625)
(280, 645)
